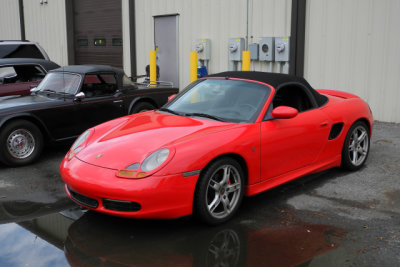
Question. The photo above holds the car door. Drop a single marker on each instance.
(293, 143)
(101, 102)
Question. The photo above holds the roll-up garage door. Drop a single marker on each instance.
(98, 32)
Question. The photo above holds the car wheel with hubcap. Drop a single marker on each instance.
(356, 147)
(21, 143)
(219, 191)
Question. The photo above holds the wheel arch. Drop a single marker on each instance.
(141, 100)
(235, 156)
(28, 117)
(367, 122)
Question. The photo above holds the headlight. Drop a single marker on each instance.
(77, 146)
(155, 159)
(150, 164)
(80, 140)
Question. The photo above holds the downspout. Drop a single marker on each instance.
(297, 38)
(22, 19)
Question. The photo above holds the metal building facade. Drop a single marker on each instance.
(46, 24)
(215, 20)
(352, 45)
(9, 20)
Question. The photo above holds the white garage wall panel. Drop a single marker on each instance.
(215, 20)
(9, 20)
(126, 57)
(353, 46)
(46, 24)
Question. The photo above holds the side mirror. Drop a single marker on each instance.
(171, 97)
(80, 95)
(284, 112)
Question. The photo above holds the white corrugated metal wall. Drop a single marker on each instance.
(126, 57)
(352, 45)
(9, 20)
(46, 24)
(216, 20)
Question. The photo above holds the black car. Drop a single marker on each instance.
(19, 75)
(68, 101)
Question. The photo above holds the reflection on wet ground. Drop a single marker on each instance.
(92, 239)
(184, 243)
(333, 218)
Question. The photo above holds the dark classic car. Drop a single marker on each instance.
(19, 75)
(68, 101)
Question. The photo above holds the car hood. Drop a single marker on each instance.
(22, 103)
(118, 145)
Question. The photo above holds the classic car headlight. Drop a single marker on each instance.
(155, 159)
(77, 146)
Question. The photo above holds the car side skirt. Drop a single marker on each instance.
(281, 179)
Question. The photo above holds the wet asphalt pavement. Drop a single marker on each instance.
(334, 218)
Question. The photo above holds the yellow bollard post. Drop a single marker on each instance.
(246, 61)
(193, 75)
(193, 66)
(153, 68)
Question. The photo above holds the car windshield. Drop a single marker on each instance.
(60, 83)
(221, 99)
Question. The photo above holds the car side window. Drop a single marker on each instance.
(98, 85)
(292, 96)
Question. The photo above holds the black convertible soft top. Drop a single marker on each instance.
(276, 80)
(84, 69)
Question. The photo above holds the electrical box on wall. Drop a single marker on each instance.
(282, 49)
(203, 49)
(266, 49)
(253, 48)
(236, 47)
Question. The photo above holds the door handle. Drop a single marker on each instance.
(117, 101)
(324, 124)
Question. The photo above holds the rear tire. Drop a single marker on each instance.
(142, 107)
(356, 146)
(21, 143)
(219, 192)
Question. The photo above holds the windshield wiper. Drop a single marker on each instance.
(170, 111)
(205, 116)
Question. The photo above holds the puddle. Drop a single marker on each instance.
(76, 238)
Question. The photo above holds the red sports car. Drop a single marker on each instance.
(225, 136)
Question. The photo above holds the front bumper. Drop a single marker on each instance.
(160, 197)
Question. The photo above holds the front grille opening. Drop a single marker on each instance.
(84, 200)
(120, 205)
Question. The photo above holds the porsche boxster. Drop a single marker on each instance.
(226, 136)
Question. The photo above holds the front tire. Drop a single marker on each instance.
(21, 143)
(219, 192)
(356, 147)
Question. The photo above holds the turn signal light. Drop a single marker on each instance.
(126, 174)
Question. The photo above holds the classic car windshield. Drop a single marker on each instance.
(226, 100)
(63, 83)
